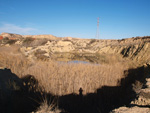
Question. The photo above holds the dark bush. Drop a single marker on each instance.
(92, 41)
(28, 40)
(8, 41)
(11, 42)
(34, 42)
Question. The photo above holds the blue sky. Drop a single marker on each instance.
(76, 18)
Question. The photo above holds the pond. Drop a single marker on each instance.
(76, 61)
(87, 58)
(78, 58)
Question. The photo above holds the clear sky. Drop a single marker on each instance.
(76, 18)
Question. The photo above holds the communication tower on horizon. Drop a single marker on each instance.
(97, 32)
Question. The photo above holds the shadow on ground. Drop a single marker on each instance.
(16, 97)
(106, 98)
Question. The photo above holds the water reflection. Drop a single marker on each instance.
(77, 58)
(77, 62)
(82, 62)
(87, 58)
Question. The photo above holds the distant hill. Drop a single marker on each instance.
(135, 48)
(10, 35)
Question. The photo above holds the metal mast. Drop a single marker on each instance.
(97, 32)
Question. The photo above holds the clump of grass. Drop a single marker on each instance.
(46, 107)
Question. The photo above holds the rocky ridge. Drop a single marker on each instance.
(11, 35)
(131, 50)
(136, 48)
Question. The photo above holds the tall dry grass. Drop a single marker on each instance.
(62, 78)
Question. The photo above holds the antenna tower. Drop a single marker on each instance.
(97, 32)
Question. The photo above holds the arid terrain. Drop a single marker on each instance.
(49, 74)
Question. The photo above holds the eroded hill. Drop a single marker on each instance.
(90, 50)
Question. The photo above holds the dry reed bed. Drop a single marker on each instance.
(64, 78)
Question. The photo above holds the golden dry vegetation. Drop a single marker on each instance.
(62, 78)
(71, 87)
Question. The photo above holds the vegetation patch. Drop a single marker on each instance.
(27, 41)
(40, 54)
(7, 41)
